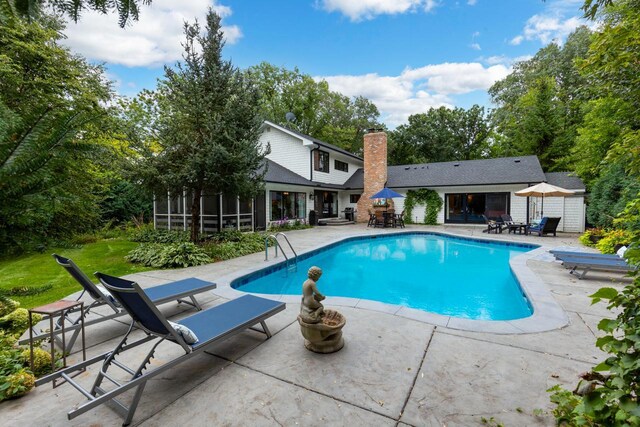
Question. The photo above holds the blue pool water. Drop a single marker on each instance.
(446, 275)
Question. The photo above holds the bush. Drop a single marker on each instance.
(16, 384)
(613, 239)
(248, 243)
(147, 234)
(286, 225)
(7, 305)
(172, 255)
(16, 322)
(591, 237)
(41, 360)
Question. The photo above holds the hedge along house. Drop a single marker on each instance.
(470, 189)
(306, 175)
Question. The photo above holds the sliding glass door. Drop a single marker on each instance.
(468, 208)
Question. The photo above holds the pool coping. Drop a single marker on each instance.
(547, 314)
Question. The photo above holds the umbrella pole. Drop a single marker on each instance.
(542, 208)
(528, 215)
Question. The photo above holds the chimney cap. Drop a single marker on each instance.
(374, 130)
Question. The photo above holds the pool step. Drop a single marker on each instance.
(334, 221)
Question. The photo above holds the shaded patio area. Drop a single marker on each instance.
(394, 370)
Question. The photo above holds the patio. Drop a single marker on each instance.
(407, 372)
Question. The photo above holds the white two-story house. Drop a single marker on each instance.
(308, 178)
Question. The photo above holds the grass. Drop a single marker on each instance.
(35, 270)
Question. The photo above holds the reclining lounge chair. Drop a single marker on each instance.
(194, 334)
(589, 264)
(547, 225)
(561, 255)
(492, 225)
(158, 295)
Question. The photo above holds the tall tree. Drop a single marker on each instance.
(208, 124)
(51, 103)
(318, 111)
(441, 134)
(551, 80)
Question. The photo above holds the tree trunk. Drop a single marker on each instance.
(195, 215)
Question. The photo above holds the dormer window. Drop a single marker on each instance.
(321, 161)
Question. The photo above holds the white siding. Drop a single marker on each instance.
(343, 201)
(570, 209)
(287, 151)
(336, 176)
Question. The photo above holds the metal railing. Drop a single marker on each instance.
(274, 237)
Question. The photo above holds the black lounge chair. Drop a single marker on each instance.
(158, 295)
(209, 326)
(492, 226)
(547, 225)
(512, 226)
(588, 264)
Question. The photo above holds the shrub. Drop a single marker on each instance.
(248, 243)
(16, 322)
(7, 305)
(156, 255)
(16, 384)
(613, 239)
(41, 360)
(592, 236)
(147, 234)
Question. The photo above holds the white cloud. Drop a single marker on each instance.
(369, 9)
(472, 2)
(555, 23)
(153, 40)
(475, 46)
(416, 90)
(504, 60)
(516, 40)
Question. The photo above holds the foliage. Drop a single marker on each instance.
(227, 245)
(424, 196)
(16, 384)
(441, 134)
(7, 305)
(50, 104)
(172, 255)
(41, 360)
(540, 104)
(32, 9)
(613, 239)
(609, 194)
(16, 322)
(319, 112)
(148, 234)
(591, 236)
(208, 125)
(123, 199)
(286, 224)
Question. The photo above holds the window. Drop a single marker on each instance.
(321, 161)
(288, 205)
(341, 166)
(470, 207)
(353, 198)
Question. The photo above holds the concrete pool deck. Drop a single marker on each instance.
(393, 370)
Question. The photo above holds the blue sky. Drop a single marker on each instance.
(404, 55)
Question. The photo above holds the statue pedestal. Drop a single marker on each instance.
(326, 336)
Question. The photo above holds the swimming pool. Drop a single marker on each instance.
(448, 275)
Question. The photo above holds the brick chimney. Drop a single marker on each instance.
(375, 170)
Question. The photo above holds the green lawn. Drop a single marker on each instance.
(106, 256)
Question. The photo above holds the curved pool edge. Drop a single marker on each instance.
(547, 314)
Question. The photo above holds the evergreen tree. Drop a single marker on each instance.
(208, 124)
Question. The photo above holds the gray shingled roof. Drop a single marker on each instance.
(566, 180)
(282, 175)
(317, 141)
(506, 170)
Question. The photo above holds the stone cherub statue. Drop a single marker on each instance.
(311, 310)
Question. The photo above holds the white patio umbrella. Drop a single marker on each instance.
(543, 189)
